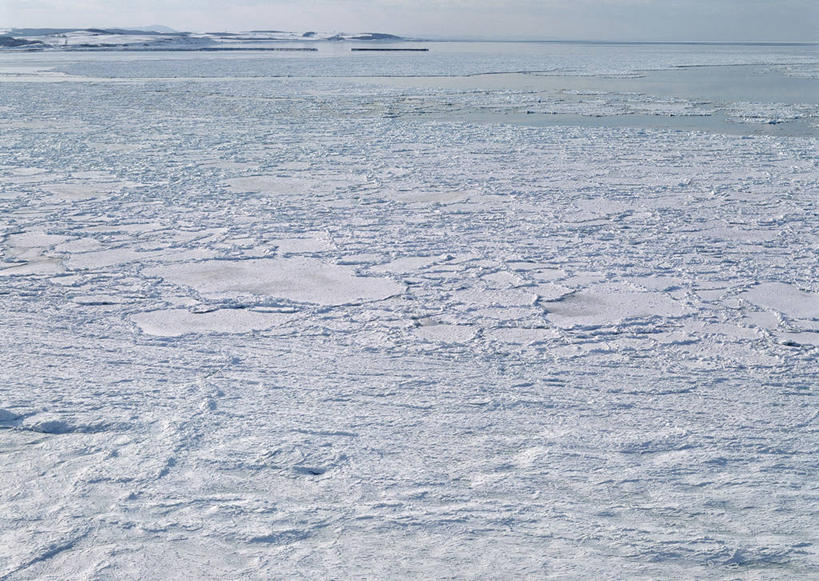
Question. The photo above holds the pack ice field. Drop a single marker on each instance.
(483, 311)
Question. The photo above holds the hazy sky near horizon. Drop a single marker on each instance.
(760, 20)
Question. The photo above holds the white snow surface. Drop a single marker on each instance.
(260, 326)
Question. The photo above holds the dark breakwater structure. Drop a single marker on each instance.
(370, 49)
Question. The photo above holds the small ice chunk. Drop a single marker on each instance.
(48, 424)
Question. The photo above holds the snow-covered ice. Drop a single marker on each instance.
(275, 316)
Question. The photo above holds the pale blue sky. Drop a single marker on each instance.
(785, 20)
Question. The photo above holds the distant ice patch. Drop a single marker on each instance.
(305, 280)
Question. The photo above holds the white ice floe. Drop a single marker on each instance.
(610, 305)
(177, 322)
(37, 266)
(126, 227)
(115, 256)
(801, 338)
(84, 190)
(21, 176)
(79, 245)
(491, 297)
(784, 298)
(522, 336)
(503, 279)
(273, 185)
(443, 333)
(304, 245)
(35, 239)
(550, 291)
(296, 185)
(423, 197)
(32, 252)
(405, 265)
(297, 279)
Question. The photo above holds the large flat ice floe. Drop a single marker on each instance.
(305, 280)
(786, 299)
(609, 305)
(176, 322)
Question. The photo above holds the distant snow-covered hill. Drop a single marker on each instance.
(164, 38)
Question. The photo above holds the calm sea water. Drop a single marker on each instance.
(735, 88)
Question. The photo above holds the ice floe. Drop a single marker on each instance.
(296, 279)
(177, 322)
(786, 299)
(444, 333)
(610, 305)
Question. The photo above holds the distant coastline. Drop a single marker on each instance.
(163, 38)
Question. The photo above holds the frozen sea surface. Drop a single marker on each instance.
(260, 326)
